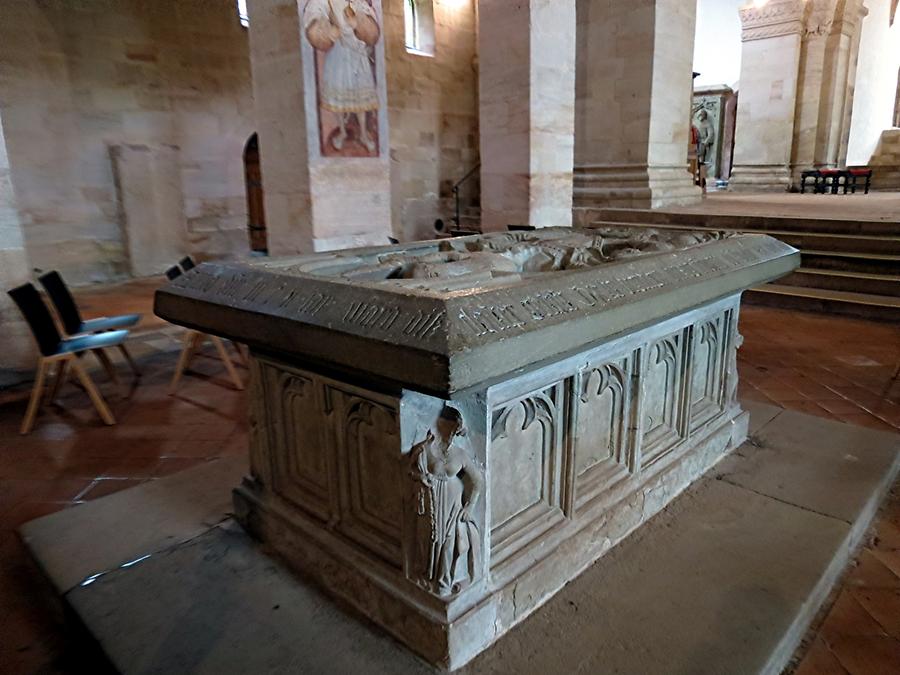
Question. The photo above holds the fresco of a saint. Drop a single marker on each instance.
(344, 34)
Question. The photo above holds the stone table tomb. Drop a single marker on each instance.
(444, 433)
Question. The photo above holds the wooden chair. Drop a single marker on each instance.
(193, 339)
(63, 352)
(72, 323)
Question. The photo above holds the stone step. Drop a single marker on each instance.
(726, 579)
(746, 223)
(821, 241)
(845, 303)
(866, 263)
(840, 280)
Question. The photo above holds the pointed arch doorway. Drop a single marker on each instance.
(256, 215)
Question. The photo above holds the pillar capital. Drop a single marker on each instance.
(773, 19)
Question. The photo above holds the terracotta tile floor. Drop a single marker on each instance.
(831, 367)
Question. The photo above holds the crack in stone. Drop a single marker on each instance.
(724, 479)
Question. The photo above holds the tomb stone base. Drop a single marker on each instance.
(549, 470)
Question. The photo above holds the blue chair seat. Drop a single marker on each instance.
(98, 341)
(109, 323)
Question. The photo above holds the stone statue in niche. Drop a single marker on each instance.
(449, 484)
(707, 137)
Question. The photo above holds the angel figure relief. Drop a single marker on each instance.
(344, 34)
(449, 484)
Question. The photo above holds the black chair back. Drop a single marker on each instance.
(173, 272)
(63, 301)
(187, 263)
(39, 319)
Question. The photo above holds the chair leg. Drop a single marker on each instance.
(229, 366)
(187, 351)
(107, 364)
(92, 391)
(61, 372)
(131, 363)
(36, 395)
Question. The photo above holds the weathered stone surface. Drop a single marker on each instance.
(520, 299)
(151, 200)
(161, 514)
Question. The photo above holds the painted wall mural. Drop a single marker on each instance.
(343, 34)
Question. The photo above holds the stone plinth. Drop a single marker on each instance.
(632, 105)
(445, 434)
(148, 182)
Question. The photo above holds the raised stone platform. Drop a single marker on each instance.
(444, 434)
(724, 580)
(850, 246)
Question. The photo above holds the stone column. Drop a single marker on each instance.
(770, 61)
(324, 152)
(18, 351)
(633, 104)
(526, 54)
(830, 48)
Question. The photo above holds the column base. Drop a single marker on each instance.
(760, 179)
(634, 186)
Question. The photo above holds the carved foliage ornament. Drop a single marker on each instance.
(774, 19)
(448, 487)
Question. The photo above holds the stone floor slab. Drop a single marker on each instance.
(725, 579)
(74, 545)
(821, 465)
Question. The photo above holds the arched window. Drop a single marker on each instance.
(418, 18)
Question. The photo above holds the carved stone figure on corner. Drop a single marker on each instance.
(448, 544)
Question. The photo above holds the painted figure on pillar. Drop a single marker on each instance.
(344, 34)
(449, 484)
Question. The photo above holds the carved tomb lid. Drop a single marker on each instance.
(450, 315)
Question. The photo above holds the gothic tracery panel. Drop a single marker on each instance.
(708, 369)
(603, 444)
(664, 400)
(526, 480)
(298, 420)
(372, 495)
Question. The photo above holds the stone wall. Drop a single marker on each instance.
(876, 82)
(79, 77)
(18, 350)
(433, 116)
